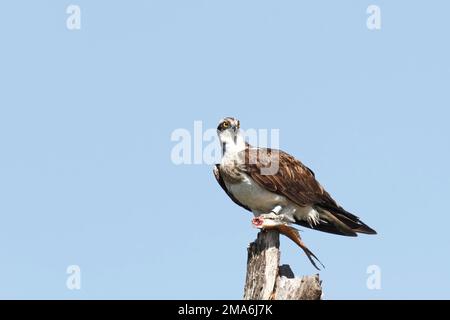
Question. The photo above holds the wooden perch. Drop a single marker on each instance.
(267, 280)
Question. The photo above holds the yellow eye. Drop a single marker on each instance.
(226, 124)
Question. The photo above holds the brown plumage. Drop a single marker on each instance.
(297, 182)
(279, 190)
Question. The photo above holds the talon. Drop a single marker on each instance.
(272, 215)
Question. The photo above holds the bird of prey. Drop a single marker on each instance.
(278, 198)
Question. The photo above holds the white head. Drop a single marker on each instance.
(229, 134)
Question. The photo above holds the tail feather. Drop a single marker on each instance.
(338, 221)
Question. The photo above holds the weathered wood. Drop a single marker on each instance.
(262, 266)
(266, 280)
(305, 288)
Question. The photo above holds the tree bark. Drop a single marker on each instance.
(266, 280)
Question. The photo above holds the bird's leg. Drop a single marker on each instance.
(269, 220)
(276, 210)
(274, 214)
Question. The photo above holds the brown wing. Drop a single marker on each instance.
(224, 187)
(297, 182)
(292, 179)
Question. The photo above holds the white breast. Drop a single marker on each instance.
(255, 197)
(258, 199)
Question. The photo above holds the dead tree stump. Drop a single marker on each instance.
(267, 280)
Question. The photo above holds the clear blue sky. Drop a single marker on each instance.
(86, 117)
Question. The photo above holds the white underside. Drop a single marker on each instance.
(261, 201)
(255, 197)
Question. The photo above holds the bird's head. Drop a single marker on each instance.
(228, 130)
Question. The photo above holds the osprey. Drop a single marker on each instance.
(279, 190)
